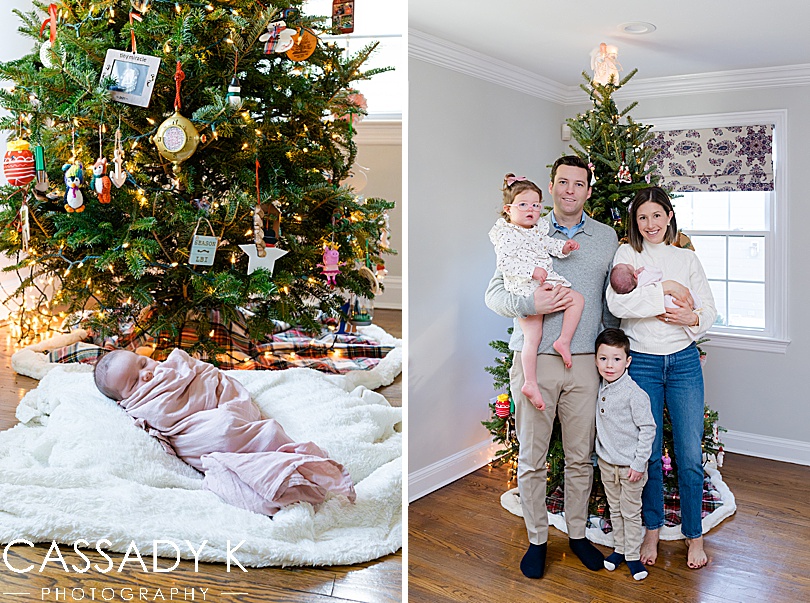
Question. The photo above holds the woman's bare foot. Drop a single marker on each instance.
(649, 547)
(695, 555)
(532, 392)
(563, 349)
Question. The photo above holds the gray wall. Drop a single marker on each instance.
(464, 134)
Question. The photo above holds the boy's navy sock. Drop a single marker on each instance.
(533, 563)
(613, 561)
(587, 553)
(637, 569)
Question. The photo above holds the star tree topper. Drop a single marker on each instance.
(268, 262)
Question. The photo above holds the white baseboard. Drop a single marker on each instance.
(391, 298)
(766, 447)
(426, 480)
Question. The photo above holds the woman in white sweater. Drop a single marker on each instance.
(666, 362)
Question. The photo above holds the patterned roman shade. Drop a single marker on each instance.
(715, 159)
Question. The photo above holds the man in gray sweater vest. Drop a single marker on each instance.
(570, 393)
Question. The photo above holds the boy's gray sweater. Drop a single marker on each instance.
(625, 428)
(588, 270)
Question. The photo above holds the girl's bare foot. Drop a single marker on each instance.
(532, 392)
(649, 547)
(695, 555)
(563, 349)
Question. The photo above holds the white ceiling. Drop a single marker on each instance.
(554, 38)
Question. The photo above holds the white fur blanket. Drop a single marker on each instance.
(77, 468)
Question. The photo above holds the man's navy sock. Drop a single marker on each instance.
(587, 553)
(533, 563)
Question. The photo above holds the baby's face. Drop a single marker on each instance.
(127, 371)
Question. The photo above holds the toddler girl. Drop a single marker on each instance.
(522, 246)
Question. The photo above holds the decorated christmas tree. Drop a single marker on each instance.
(173, 159)
(617, 149)
(620, 158)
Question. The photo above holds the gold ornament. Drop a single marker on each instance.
(176, 138)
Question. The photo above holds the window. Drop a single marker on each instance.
(730, 235)
(383, 22)
(740, 237)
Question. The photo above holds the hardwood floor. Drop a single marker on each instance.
(463, 546)
(378, 581)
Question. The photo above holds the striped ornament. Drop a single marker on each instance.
(18, 163)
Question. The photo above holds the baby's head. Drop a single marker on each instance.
(517, 189)
(119, 373)
(623, 278)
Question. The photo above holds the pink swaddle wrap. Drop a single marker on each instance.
(208, 420)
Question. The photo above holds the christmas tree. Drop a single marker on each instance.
(616, 147)
(211, 139)
(620, 160)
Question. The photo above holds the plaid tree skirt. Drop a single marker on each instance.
(287, 348)
(718, 504)
(672, 506)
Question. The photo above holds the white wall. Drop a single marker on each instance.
(379, 148)
(14, 45)
(464, 134)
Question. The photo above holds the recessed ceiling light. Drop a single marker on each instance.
(637, 27)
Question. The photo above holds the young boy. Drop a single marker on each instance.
(625, 430)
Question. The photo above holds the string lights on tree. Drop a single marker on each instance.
(112, 262)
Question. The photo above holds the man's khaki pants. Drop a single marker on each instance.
(624, 498)
(571, 394)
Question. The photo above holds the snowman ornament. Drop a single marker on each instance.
(279, 38)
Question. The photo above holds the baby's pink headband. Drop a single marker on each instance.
(512, 179)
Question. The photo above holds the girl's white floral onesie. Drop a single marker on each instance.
(520, 250)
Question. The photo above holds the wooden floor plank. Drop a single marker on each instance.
(463, 546)
(378, 581)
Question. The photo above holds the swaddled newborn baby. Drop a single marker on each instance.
(625, 279)
(208, 420)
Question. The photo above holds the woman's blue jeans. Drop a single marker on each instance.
(677, 381)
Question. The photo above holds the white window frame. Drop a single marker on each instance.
(775, 336)
(356, 41)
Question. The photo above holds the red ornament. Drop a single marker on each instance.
(18, 163)
(502, 406)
